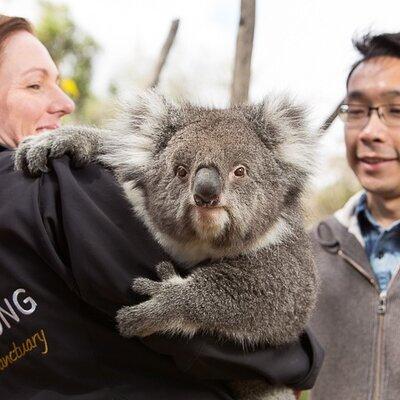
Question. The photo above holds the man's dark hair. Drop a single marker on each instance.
(370, 46)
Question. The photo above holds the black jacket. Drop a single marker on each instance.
(69, 249)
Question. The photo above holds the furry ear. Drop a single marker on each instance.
(284, 127)
(297, 142)
(142, 128)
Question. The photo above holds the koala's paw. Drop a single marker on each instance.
(280, 394)
(140, 320)
(31, 156)
(258, 389)
(167, 275)
(34, 152)
(163, 312)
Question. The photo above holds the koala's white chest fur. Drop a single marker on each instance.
(193, 252)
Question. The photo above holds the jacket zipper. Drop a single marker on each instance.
(381, 314)
(381, 310)
(382, 307)
(359, 268)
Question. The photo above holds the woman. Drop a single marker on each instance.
(30, 99)
(69, 248)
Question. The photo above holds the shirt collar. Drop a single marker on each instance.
(366, 220)
(364, 216)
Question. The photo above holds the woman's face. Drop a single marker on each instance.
(30, 99)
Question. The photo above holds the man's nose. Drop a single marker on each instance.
(61, 103)
(374, 130)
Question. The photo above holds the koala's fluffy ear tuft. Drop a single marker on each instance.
(148, 108)
(152, 116)
(142, 128)
(286, 125)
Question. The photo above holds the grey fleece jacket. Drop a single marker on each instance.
(358, 326)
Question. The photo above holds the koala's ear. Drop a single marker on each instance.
(150, 108)
(151, 115)
(142, 127)
(287, 130)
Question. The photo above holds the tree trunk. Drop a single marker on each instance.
(164, 54)
(244, 49)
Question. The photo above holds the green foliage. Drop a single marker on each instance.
(305, 395)
(72, 50)
(325, 201)
(333, 197)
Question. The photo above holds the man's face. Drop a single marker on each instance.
(373, 149)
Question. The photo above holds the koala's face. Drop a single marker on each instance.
(215, 181)
(219, 177)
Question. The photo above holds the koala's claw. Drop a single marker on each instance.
(165, 270)
(146, 287)
(156, 314)
(80, 143)
(31, 158)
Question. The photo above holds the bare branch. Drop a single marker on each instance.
(328, 122)
(244, 49)
(164, 53)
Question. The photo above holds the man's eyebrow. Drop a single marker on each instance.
(356, 95)
(392, 93)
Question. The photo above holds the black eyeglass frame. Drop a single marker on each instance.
(343, 113)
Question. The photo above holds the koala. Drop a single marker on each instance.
(220, 190)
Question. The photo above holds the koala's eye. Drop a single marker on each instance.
(181, 171)
(240, 171)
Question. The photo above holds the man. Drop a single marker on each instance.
(69, 249)
(358, 248)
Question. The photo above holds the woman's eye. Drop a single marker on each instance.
(240, 171)
(181, 171)
(34, 87)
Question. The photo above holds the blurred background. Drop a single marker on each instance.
(108, 49)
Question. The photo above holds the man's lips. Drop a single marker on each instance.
(375, 160)
(374, 163)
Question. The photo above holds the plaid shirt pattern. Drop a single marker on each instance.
(382, 245)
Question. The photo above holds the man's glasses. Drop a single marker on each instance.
(357, 115)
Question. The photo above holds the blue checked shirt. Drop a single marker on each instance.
(382, 245)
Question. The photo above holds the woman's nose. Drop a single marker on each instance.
(61, 103)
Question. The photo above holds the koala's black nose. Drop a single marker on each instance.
(207, 187)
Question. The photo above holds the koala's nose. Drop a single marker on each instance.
(207, 187)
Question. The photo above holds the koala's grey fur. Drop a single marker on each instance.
(250, 272)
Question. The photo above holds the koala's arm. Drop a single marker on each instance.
(82, 143)
(266, 298)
